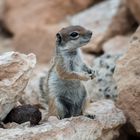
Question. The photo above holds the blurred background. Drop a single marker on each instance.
(30, 25)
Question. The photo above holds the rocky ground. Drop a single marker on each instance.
(27, 41)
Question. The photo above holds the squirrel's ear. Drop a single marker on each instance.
(58, 38)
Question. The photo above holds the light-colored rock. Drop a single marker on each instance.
(21, 13)
(104, 127)
(127, 76)
(122, 23)
(106, 113)
(88, 58)
(15, 71)
(5, 44)
(32, 93)
(100, 20)
(97, 19)
(116, 45)
(103, 86)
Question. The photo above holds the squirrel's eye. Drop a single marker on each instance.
(74, 35)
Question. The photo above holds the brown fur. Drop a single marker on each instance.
(69, 75)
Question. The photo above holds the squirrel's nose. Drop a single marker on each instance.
(89, 33)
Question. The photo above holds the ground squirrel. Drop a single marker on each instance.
(64, 90)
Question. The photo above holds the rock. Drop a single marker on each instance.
(88, 58)
(105, 112)
(19, 14)
(38, 40)
(24, 113)
(5, 44)
(15, 71)
(127, 76)
(118, 26)
(116, 45)
(100, 20)
(32, 93)
(134, 7)
(99, 23)
(104, 126)
(103, 86)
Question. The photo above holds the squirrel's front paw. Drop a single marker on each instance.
(89, 76)
(86, 77)
(92, 76)
(91, 73)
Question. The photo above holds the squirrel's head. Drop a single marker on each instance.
(72, 37)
